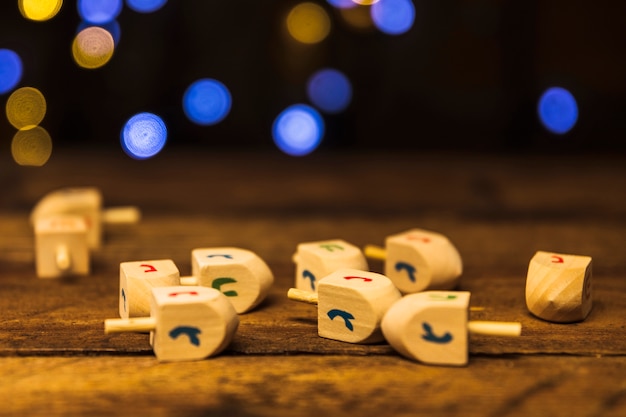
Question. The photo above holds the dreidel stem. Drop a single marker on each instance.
(495, 328)
(302, 296)
(63, 259)
(121, 215)
(140, 324)
(375, 252)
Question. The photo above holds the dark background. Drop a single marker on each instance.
(466, 77)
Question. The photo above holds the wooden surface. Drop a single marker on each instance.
(497, 209)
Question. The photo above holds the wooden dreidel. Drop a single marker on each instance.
(315, 260)
(558, 287)
(350, 304)
(240, 274)
(138, 278)
(432, 327)
(61, 247)
(86, 202)
(186, 323)
(419, 260)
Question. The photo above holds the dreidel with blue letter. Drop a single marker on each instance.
(186, 323)
(315, 260)
(419, 260)
(350, 304)
(432, 327)
(240, 274)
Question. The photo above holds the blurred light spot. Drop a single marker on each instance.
(143, 136)
(366, 2)
(31, 146)
(308, 23)
(393, 17)
(10, 70)
(26, 107)
(145, 6)
(206, 102)
(112, 27)
(298, 130)
(93, 47)
(557, 110)
(329, 90)
(99, 12)
(342, 4)
(39, 10)
(357, 17)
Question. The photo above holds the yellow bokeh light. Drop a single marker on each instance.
(357, 17)
(39, 10)
(93, 47)
(308, 23)
(365, 2)
(26, 107)
(31, 146)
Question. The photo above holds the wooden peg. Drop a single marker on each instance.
(315, 260)
(558, 287)
(186, 323)
(350, 304)
(432, 327)
(418, 260)
(61, 247)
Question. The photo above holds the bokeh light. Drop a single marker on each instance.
(113, 27)
(557, 110)
(329, 90)
(366, 2)
(358, 18)
(99, 12)
(393, 17)
(39, 10)
(10, 70)
(143, 136)
(31, 146)
(93, 47)
(145, 6)
(26, 106)
(308, 23)
(206, 102)
(298, 130)
(342, 4)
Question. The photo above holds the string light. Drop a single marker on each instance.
(393, 17)
(10, 70)
(298, 130)
(329, 90)
(145, 6)
(26, 106)
(31, 146)
(39, 10)
(557, 110)
(93, 47)
(143, 136)
(99, 12)
(308, 23)
(206, 102)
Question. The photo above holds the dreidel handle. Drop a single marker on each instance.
(375, 252)
(63, 258)
(495, 328)
(121, 215)
(141, 324)
(189, 281)
(302, 296)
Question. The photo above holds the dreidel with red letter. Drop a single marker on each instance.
(419, 260)
(240, 274)
(432, 327)
(138, 278)
(558, 287)
(350, 304)
(85, 202)
(315, 260)
(186, 323)
(61, 247)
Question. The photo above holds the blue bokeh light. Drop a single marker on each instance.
(557, 110)
(393, 17)
(342, 4)
(10, 70)
(143, 136)
(329, 90)
(99, 12)
(298, 130)
(113, 27)
(145, 6)
(206, 102)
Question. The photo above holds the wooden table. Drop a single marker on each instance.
(497, 209)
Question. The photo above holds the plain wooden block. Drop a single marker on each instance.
(315, 260)
(419, 260)
(187, 323)
(138, 278)
(430, 327)
(351, 305)
(559, 287)
(240, 274)
(61, 247)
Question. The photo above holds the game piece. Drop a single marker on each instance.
(558, 287)
(241, 275)
(137, 280)
(86, 202)
(432, 327)
(61, 247)
(186, 323)
(419, 260)
(315, 260)
(350, 304)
